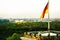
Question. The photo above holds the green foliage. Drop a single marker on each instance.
(15, 36)
(7, 28)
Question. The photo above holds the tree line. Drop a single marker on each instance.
(8, 28)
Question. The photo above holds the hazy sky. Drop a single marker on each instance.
(28, 8)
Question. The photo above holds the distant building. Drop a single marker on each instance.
(19, 21)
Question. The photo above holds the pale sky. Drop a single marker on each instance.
(28, 8)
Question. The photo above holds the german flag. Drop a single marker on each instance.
(45, 11)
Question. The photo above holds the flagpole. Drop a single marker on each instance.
(48, 18)
(48, 22)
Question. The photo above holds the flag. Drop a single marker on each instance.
(45, 11)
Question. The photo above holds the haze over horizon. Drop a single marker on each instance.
(28, 8)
